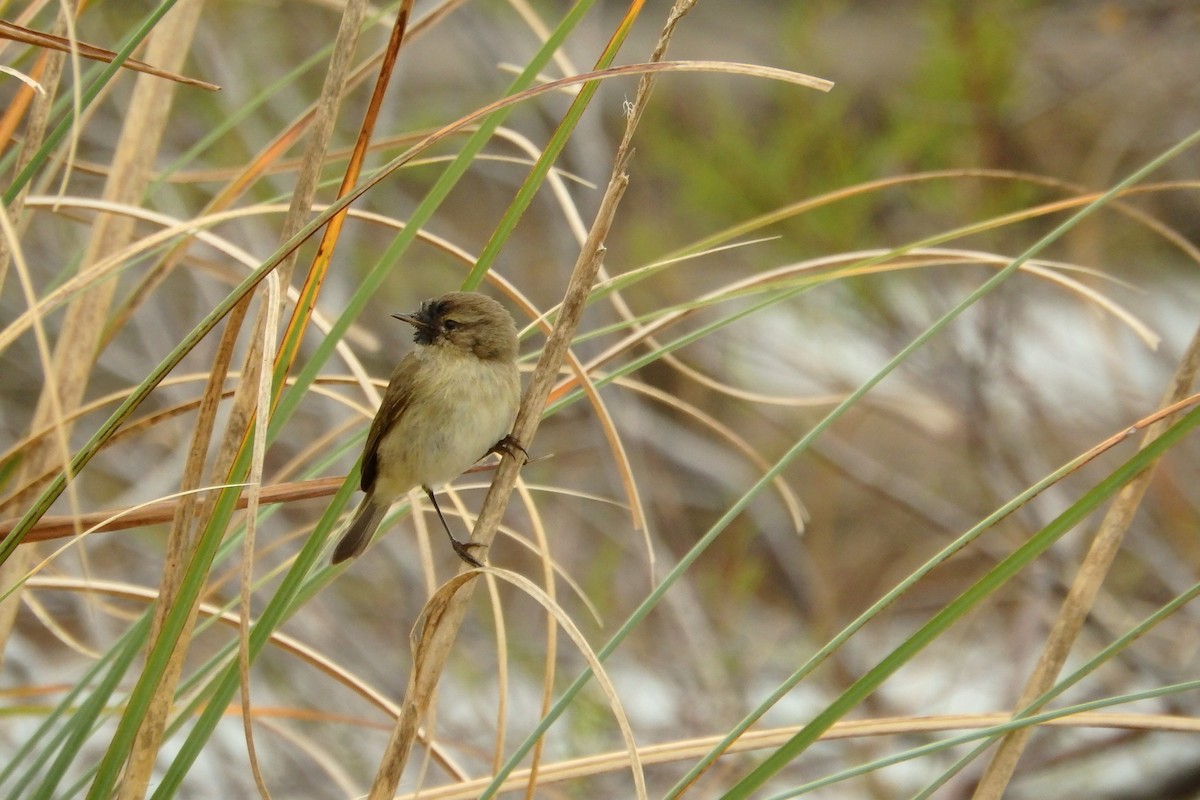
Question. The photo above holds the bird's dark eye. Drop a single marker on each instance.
(450, 324)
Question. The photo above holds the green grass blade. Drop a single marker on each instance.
(537, 175)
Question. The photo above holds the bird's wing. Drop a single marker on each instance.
(395, 402)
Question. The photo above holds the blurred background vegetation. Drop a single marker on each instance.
(951, 126)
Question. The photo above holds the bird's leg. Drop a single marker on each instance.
(509, 445)
(462, 548)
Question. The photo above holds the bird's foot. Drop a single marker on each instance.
(510, 445)
(463, 549)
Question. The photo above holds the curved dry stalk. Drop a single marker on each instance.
(549, 587)
(789, 499)
(876, 261)
(50, 41)
(428, 627)
(271, 304)
(53, 624)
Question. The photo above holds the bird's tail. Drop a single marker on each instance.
(362, 526)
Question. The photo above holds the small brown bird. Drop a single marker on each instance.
(450, 402)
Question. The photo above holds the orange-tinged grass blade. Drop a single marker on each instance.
(298, 323)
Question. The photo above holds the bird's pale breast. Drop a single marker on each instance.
(467, 405)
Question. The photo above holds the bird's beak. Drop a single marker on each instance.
(414, 320)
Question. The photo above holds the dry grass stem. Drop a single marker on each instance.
(52, 42)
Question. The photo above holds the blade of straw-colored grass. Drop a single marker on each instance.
(229, 618)
(171, 41)
(53, 412)
(319, 268)
(52, 42)
(1083, 196)
(74, 98)
(1082, 594)
(171, 228)
(672, 752)
(180, 546)
(549, 588)
(961, 605)
(788, 497)
(257, 456)
(446, 594)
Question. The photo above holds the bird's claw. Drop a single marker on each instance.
(510, 445)
(463, 549)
